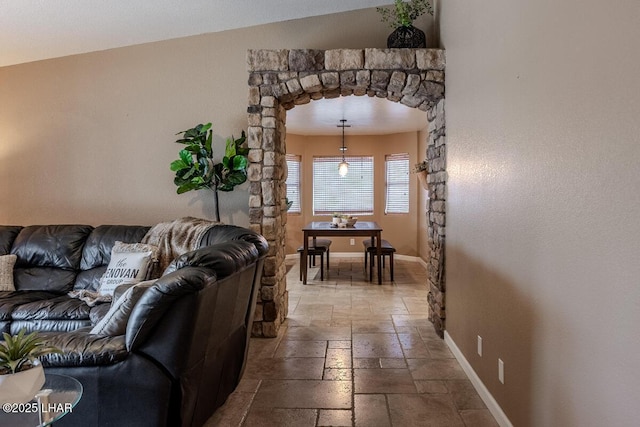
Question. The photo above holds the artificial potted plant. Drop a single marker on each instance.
(21, 373)
(196, 170)
(400, 17)
(421, 169)
(335, 219)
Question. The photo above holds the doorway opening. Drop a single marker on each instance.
(281, 79)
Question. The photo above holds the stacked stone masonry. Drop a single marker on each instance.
(436, 183)
(281, 79)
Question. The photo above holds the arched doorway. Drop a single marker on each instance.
(281, 79)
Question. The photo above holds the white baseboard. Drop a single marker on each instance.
(361, 254)
(484, 393)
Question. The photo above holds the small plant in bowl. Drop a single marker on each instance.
(21, 374)
(335, 218)
(400, 17)
(402, 14)
(19, 352)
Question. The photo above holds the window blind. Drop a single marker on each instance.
(293, 182)
(397, 183)
(351, 194)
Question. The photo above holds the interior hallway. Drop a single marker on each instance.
(352, 353)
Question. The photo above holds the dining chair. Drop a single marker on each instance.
(370, 252)
(321, 247)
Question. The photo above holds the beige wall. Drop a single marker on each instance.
(543, 154)
(543, 236)
(89, 138)
(399, 229)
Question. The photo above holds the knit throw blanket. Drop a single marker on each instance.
(176, 237)
(91, 298)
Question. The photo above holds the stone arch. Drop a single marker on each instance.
(281, 79)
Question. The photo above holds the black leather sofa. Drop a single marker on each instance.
(186, 340)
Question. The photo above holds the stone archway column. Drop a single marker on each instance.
(437, 184)
(281, 79)
(267, 213)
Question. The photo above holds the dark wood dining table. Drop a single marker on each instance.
(359, 229)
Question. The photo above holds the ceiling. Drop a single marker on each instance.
(32, 30)
(366, 115)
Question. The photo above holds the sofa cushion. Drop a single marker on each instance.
(79, 348)
(6, 272)
(60, 307)
(97, 250)
(43, 279)
(10, 300)
(48, 256)
(8, 234)
(58, 246)
(47, 325)
(115, 320)
(89, 280)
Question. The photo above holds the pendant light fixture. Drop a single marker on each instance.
(343, 167)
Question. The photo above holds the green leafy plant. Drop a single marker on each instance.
(18, 352)
(422, 166)
(196, 170)
(402, 14)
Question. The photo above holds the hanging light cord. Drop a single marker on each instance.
(343, 167)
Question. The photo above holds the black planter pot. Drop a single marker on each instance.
(410, 37)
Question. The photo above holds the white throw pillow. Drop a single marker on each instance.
(6, 272)
(140, 247)
(114, 322)
(124, 268)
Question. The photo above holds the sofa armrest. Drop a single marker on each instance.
(226, 233)
(224, 258)
(189, 273)
(159, 298)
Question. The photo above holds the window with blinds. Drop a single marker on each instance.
(293, 182)
(397, 183)
(351, 194)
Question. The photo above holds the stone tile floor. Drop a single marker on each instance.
(352, 353)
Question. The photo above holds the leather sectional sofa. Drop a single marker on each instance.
(186, 339)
